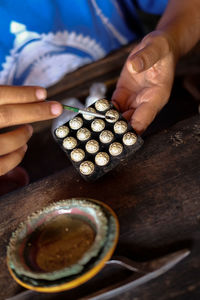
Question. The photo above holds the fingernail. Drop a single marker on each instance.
(138, 64)
(41, 94)
(56, 109)
(24, 148)
(30, 129)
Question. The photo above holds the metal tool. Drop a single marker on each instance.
(86, 112)
(148, 270)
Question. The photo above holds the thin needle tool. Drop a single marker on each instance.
(86, 112)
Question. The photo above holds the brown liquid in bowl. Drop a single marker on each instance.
(59, 243)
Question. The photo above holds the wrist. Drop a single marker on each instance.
(181, 24)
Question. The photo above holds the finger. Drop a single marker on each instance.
(11, 160)
(15, 139)
(142, 117)
(154, 48)
(18, 175)
(148, 108)
(128, 114)
(21, 94)
(16, 178)
(16, 114)
(120, 97)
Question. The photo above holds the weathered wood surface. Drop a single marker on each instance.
(156, 196)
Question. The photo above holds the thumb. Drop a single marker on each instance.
(152, 48)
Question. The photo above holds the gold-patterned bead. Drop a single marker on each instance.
(102, 159)
(83, 134)
(120, 127)
(86, 167)
(88, 117)
(113, 114)
(129, 139)
(106, 136)
(102, 105)
(98, 125)
(77, 155)
(69, 143)
(92, 146)
(115, 149)
(62, 131)
(76, 123)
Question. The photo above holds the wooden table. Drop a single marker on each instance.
(156, 196)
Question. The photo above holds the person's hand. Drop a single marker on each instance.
(146, 80)
(21, 105)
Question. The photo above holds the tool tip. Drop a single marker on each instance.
(110, 118)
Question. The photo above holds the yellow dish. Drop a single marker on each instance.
(63, 245)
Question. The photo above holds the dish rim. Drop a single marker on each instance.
(88, 274)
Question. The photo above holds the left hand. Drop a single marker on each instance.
(145, 83)
(20, 105)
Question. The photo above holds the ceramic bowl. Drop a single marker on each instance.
(62, 245)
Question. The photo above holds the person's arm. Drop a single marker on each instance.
(181, 22)
(178, 31)
(21, 105)
(146, 80)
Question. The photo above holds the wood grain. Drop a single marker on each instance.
(156, 197)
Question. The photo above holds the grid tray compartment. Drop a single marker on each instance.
(128, 150)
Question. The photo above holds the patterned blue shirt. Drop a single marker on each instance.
(41, 40)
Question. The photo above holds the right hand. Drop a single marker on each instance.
(145, 83)
(21, 105)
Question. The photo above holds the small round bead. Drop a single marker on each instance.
(120, 127)
(106, 136)
(86, 167)
(77, 155)
(76, 123)
(102, 105)
(112, 113)
(92, 146)
(115, 149)
(62, 132)
(98, 125)
(129, 138)
(88, 117)
(69, 143)
(83, 134)
(102, 158)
